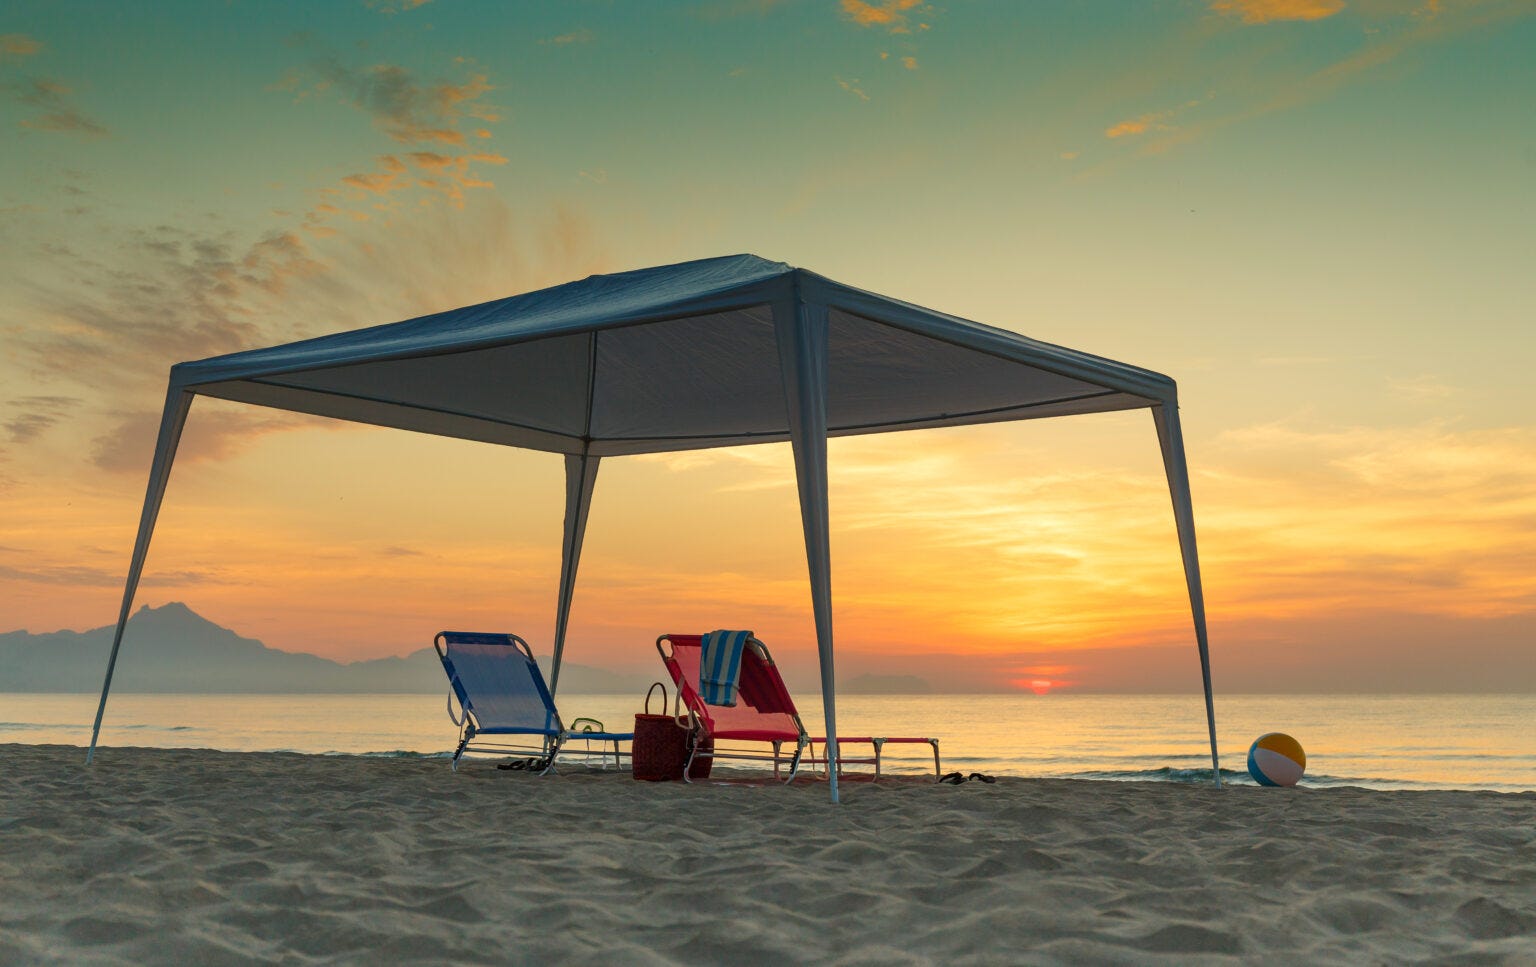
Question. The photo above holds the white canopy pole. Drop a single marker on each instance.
(580, 476)
(177, 403)
(802, 338)
(1172, 439)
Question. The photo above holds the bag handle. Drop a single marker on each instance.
(650, 691)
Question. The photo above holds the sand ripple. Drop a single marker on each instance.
(194, 857)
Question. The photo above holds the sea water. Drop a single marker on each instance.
(1381, 741)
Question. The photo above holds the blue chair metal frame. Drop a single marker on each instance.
(506, 708)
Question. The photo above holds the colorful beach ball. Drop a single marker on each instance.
(1276, 759)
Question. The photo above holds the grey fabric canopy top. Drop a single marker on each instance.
(717, 352)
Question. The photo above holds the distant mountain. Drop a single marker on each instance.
(173, 649)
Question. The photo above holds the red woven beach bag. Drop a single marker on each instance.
(659, 750)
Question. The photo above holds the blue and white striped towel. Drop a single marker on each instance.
(720, 666)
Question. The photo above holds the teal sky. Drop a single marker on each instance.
(1316, 215)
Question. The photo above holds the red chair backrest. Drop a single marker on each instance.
(763, 709)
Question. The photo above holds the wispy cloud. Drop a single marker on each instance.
(446, 174)
(31, 416)
(1152, 121)
(392, 7)
(57, 111)
(893, 15)
(1270, 11)
(1422, 387)
(392, 178)
(129, 444)
(852, 87)
(86, 353)
(1139, 125)
(579, 36)
(1011, 549)
(405, 108)
(1393, 30)
(1427, 519)
(169, 294)
(65, 575)
(18, 46)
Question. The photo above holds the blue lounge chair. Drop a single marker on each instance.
(502, 695)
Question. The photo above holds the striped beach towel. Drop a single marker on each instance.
(720, 666)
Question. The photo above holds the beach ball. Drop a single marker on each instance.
(1276, 759)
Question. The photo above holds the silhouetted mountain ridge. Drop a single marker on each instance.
(174, 649)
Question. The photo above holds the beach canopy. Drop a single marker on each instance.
(717, 352)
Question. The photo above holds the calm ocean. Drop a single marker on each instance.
(1381, 741)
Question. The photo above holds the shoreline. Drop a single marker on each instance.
(162, 856)
(903, 771)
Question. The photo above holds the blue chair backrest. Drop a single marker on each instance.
(497, 681)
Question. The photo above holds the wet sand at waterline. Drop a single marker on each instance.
(191, 856)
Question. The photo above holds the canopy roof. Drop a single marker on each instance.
(717, 352)
(670, 358)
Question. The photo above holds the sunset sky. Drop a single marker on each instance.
(1318, 216)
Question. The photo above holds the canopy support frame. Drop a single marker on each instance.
(580, 477)
(1171, 438)
(178, 402)
(801, 331)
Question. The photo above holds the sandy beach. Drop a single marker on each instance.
(183, 856)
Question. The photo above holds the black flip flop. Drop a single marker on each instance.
(515, 765)
(953, 778)
(986, 779)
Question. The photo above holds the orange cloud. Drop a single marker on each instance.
(18, 46)
(1269, 11)
(432, 160)
(447, 174)
(453, 99)
(381, 183)
(581, 36)
(910, 63)
(890, 14)
(405, 109)
(1140, 125)
(852, 87)
(392, 7)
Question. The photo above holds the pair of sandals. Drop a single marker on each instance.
(519, 765)
(955, 778)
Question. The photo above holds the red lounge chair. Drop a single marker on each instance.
(764, 712)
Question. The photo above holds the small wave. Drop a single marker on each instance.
(1237, 777)
(1161, 774)
(394, 754)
